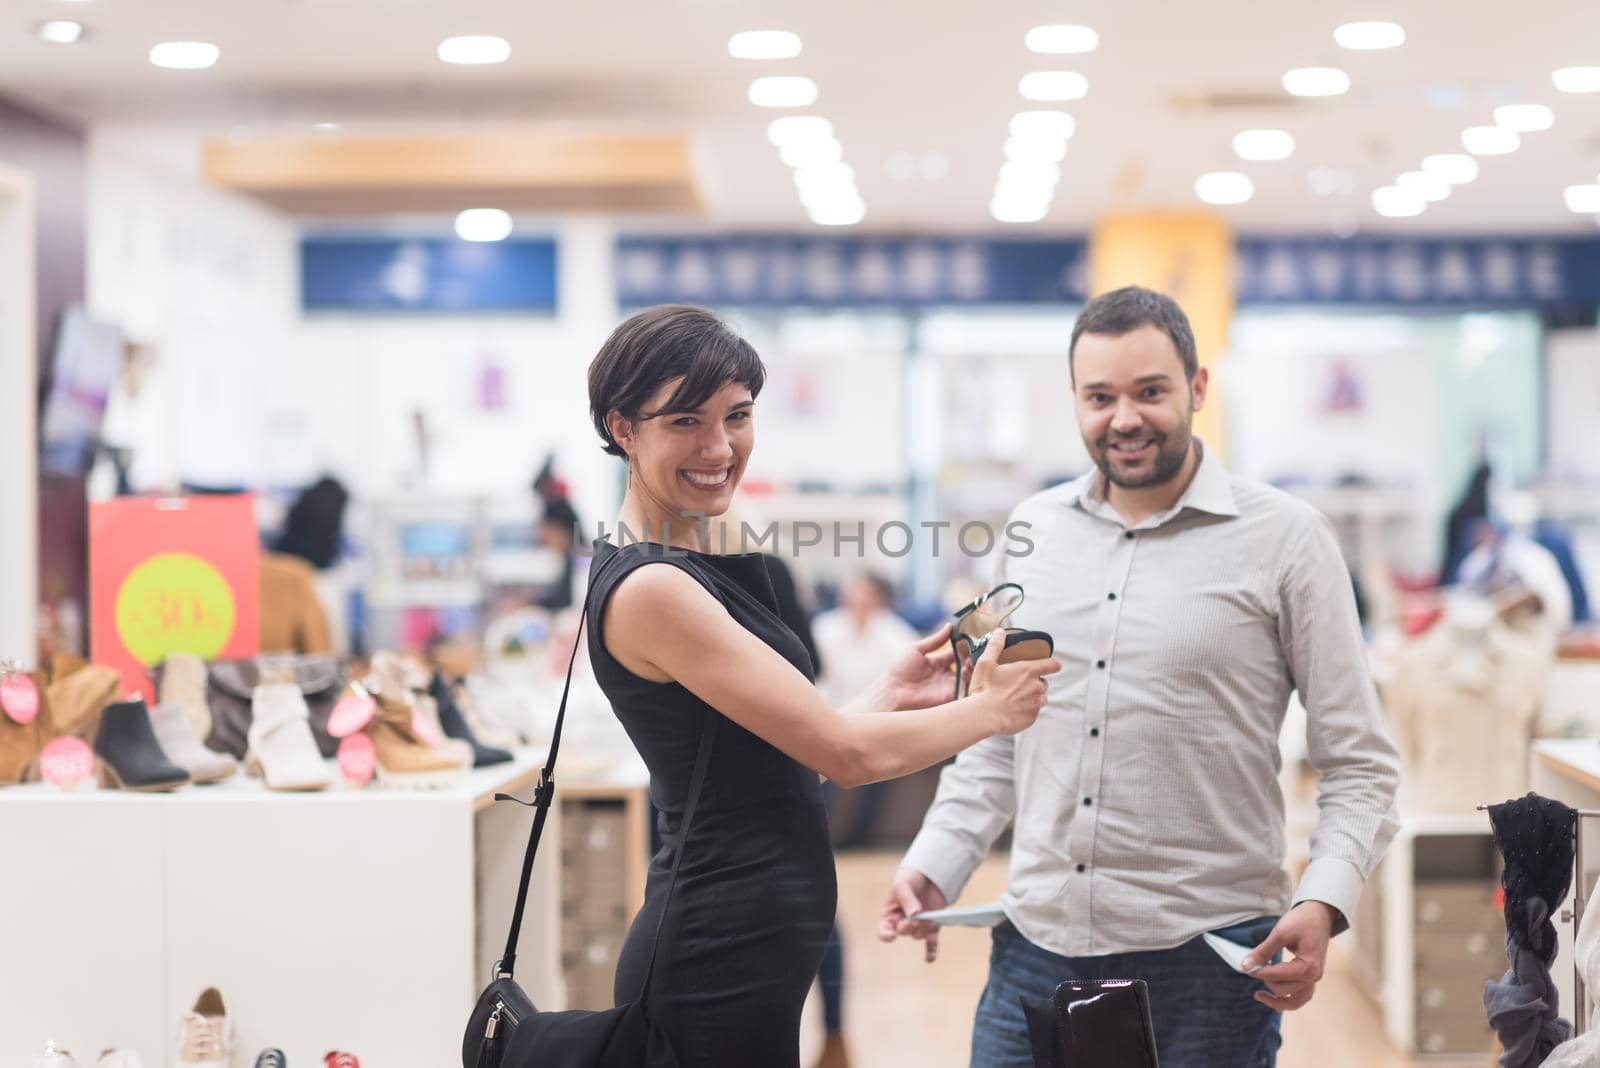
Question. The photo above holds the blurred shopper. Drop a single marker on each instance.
(1187, 604)
(687, 646)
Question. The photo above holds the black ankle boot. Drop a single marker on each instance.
(130, 756)
(455, 724)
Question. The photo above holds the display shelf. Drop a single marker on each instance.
(290, 903)
(1568, 770)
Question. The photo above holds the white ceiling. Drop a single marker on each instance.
(894, 75)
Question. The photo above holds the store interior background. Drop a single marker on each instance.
(877, 409)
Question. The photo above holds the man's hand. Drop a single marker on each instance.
(912, 892)
(1303, 931)
(920, 676)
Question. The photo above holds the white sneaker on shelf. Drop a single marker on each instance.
(205, 1034)
(282, 749)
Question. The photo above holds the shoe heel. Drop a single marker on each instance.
(105, 776)
(252, 766)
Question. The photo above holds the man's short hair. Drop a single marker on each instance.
(1125, 310)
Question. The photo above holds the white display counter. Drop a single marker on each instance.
(361, 920)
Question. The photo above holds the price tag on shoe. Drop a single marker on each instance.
(66, 762)
(358, 759)
(20, 698)
(354, 711)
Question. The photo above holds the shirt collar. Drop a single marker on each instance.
(1210, 491)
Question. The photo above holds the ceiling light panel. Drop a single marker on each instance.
(474, 51)
(1056, 124)
(185, 55)
(1224, 187)
(1370, 36)
(59, 31)
(1062, 40)
(783, 91)
(1394, 202)
(792, 129)
(1451, 167)
(764, 44)
(1316, 81)
(1577, 79)
(1263, 145)
(483, 224)
(1524, 118)
(1427, 186)
(1490, 140)
(1583, 199)
(1053, 85)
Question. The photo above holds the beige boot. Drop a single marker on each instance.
(183, 683)
(282, 749)
(404, 759)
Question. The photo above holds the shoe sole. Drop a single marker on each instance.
(253, 768)
(108, 779)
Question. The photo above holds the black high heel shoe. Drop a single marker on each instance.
(974, 623)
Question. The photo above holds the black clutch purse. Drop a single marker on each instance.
(506, 1029)
(1094, 1024)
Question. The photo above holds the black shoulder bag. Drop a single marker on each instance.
(506, 1030)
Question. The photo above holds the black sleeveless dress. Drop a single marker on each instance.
(755, 898)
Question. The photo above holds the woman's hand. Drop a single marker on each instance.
(920, 677)
(1016, 691)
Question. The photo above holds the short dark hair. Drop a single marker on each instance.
(1125, 310)
(654, 346)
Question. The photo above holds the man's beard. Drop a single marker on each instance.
(1170, 455)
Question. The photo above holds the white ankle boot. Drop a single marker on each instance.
(282, 749)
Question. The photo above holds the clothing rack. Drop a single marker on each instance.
(1574, 915)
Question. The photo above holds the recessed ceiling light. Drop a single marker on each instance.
(1053, 85)
(764, 44)
(326, 126)
(1043, 124)
(1393, 202)
(1062, 40)
(1451, 167)
(1524, 118)
(810, 152)
(1583, 199)
(793, 128)
(1018, 210)
(1370, 36)
(483, 224)
(1016, 174)
(1427, 186)
(60, 31)
(474, 51)
(1263, 144)
(1489, 140)
(1577, 79)
(1035, 149)
(825, 176)
(1316, 81)
(783, 91)
(1224, 187)
(843, 210)
(185, 55)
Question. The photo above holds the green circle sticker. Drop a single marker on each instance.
(171, 603)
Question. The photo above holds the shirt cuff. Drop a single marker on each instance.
(941, 857)
(1334, 882)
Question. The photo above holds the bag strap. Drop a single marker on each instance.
(544, 795)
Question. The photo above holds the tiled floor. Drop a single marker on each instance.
(903, 1012)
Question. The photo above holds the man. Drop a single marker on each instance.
(1186, 605)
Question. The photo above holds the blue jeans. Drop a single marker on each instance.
(1205, 1016)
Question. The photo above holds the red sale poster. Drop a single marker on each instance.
(171, 575)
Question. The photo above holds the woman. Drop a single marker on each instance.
(679, 637)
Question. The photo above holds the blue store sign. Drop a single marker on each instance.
(432, 275)
(767, 270)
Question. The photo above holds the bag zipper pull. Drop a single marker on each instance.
(494, 1022)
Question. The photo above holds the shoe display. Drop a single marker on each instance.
(78, 691)
(404, 759)
(130, 756)
(455, 725)
(52, 1057)
(280, 747)
(205, 1035)
(271, 1058)
(175, 731)
(183, 683)
(21, 741)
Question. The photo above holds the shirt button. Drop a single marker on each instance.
(1088, 801)
(1099, 663)
(1082, 868)
(1094, 732)
(1111, 597)
(1128, 535)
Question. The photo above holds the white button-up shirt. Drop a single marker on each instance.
(1145, 797)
